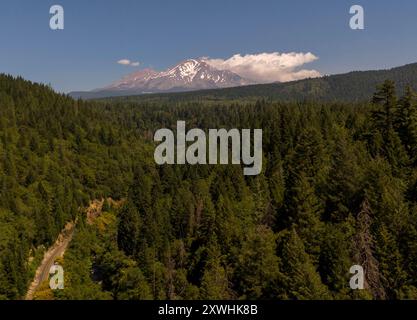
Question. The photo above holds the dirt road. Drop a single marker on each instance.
(54, 252)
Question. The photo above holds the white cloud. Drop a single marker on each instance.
(127, 62)
(124, 62)
(268, 67)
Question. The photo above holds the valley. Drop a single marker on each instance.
(208, 232)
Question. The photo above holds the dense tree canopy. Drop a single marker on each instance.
(338, 188)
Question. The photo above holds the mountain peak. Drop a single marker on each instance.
(190, 74)
(186, 70)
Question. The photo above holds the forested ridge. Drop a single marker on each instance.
(338, 188)
(57, 154)
(356, 86)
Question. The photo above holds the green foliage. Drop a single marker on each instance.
(208, 232)
(302, 280)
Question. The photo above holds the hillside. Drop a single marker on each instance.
(337, 188)
(56, 154)
(348, 87)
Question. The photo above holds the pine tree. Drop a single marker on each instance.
(364, 252)
(384, 121)
(391, 262)
(128, 229)
(132, 285)
(305, 214)
(386, 100)
(406, 123)
(214, 284)
(257, 266)
(301, 282)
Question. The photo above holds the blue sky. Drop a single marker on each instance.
(159, 34)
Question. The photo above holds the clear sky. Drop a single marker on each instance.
(159, 34)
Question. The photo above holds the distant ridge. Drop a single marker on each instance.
(349, 87)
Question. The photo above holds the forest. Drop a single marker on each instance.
(338, 187)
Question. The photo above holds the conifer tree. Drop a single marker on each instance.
(302, 281)
(128, 229)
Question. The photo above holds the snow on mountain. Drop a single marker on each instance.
(191, 74)
(132, 81)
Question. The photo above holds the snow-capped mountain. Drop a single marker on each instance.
(192, 74)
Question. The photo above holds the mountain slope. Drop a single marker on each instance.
(188, 75)
(352, 86)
